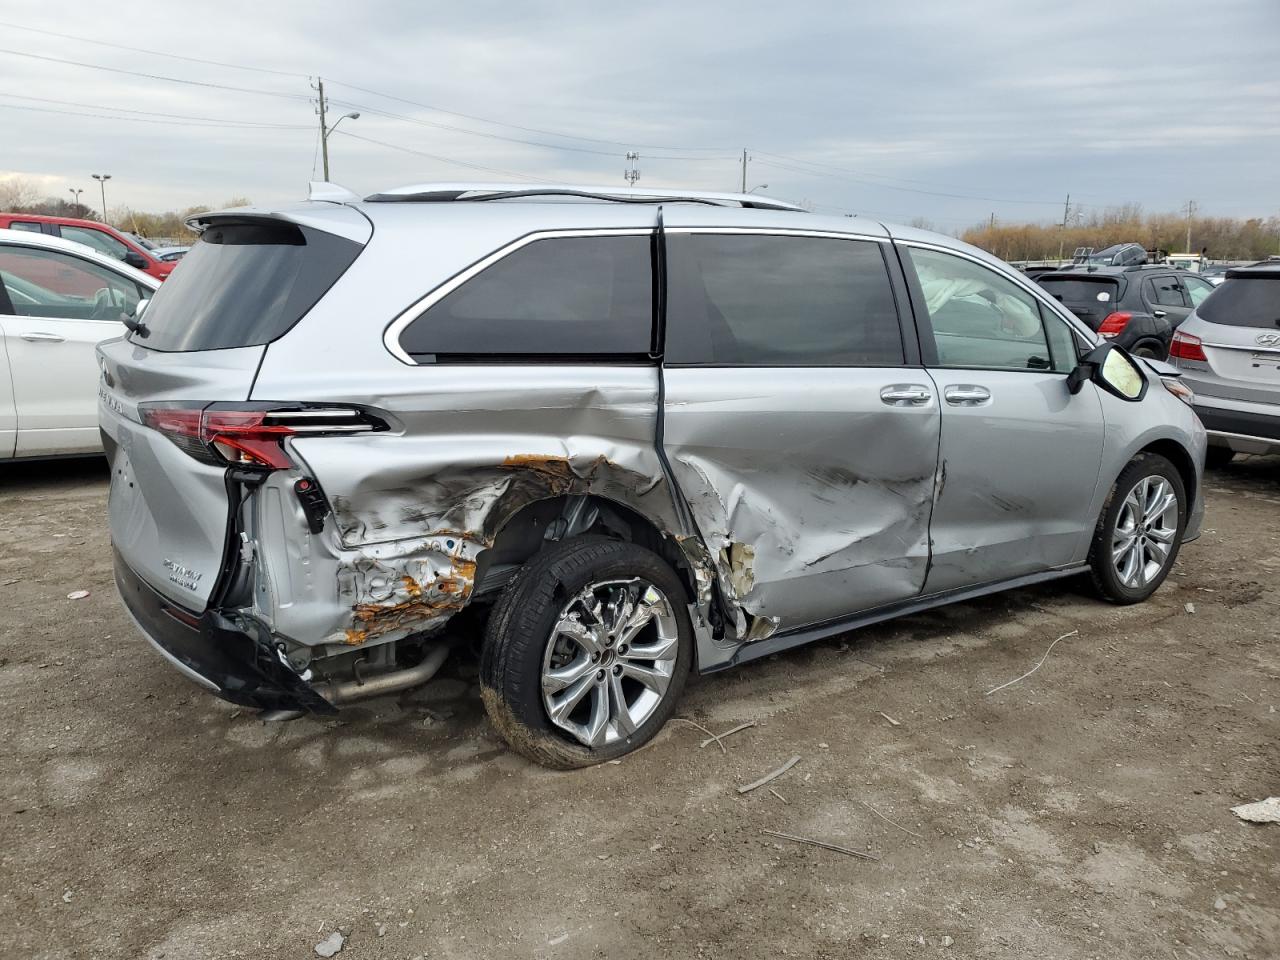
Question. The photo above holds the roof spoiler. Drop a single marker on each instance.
(331, 192)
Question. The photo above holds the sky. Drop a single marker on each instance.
(947, 111)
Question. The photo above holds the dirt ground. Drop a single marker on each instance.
(1083, 812)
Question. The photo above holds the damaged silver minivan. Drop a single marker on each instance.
(630, 433)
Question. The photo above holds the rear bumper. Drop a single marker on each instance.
(214, 652)
(1244, 427)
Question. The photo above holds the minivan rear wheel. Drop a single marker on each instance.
(586, 652)
(1140, 530)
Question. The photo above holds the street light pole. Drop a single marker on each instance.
(75, 192)
(102, 179)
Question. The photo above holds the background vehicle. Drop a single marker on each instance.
(654, 432)
(58, 300)
(99, 236)
(169, 254)
(1229, 355)
(1137, 307)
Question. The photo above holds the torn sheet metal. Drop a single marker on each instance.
(830, 516)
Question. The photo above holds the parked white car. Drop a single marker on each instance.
(58, 300)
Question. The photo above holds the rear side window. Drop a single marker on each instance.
(559, 296)
(1074, 291)
(1165, 292)
(1245, 302)
(746, 300)
(244, 284)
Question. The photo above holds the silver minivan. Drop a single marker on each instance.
(622, 433)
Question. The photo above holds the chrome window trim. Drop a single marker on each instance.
(778, 232)
(1028, 286)
(391, 336)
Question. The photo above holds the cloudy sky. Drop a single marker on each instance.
(928, 108)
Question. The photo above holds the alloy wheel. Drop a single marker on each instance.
(609, 660)
(1145, 530)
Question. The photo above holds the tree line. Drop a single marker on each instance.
(1222, 238)
(22, 196)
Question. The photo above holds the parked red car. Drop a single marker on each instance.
(99, 236)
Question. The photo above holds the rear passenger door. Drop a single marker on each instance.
(1019, 453)
(798, 422)
(1164, 295)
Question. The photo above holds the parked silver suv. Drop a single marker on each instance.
(643, 433)
(1229, 353)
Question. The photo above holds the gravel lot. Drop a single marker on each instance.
(1083, 812)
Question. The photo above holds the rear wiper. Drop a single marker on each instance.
(137, 326)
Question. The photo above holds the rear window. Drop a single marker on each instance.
(244, 284)
(561, 296)
(1077, 290)
(1244, 302)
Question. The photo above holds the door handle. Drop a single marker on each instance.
(906, 395)
(37, 336)
(1158, 314)
(966, 395)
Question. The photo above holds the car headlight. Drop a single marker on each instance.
(1179, 390)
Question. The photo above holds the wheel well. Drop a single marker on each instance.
(1177, 454)
(541, 523)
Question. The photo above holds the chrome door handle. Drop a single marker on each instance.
(966, 395)
(1158, 314)
(36, 336)
(906, 395)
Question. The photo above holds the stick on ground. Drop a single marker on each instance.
(825, 846)
(723, 748)
(887, 820)
(717, 737)
(770, 776)
(1036, 667)
(779, 796)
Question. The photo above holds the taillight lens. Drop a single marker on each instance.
(1184, 346)
(1114, 324)
(248, 435)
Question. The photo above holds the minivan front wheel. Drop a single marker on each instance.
(1140, 531)
(586, 652)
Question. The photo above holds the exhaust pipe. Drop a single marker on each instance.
(377, 686)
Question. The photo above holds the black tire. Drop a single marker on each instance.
(520, 627)
(1151, 349)
(1216, 457)
(1103, 572)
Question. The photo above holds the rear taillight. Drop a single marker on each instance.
(1114, 324)
(1186, 347)
(250, 435)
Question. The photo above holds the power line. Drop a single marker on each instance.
(149, 113)
(888, 186)
(433, 156)
(176, 123)
(514, 126)
(156, 76)
(154, 53)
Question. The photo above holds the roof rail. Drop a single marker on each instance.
(476, 192)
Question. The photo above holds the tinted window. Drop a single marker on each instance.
(979, 318)
(49, 283)
(779, 301)
(244, 284)
(100, 240)
(561, 295)
(1164, 291)
(1090, 299)
(1245, 302)
(26, 225)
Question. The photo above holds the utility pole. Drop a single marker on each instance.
(324, 131)
(1062, 237)
(992, 225)
(102, 179)
(632, 173)
(1191, 212)
(744, 170)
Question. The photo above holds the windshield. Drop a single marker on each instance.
(244, 284)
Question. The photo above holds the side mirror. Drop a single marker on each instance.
(142, 305)
(134, 259)
(1111, 368)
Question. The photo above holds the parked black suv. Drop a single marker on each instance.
(1137, 306)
